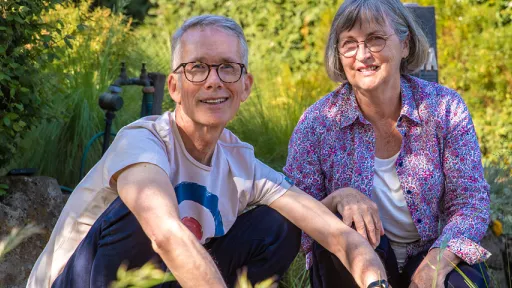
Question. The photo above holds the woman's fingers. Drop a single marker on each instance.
(360, 225)
(371, 229)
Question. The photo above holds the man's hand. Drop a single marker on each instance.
(317, 221)
(356, 208)
(434, 268)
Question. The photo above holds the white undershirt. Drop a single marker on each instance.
(394, 214)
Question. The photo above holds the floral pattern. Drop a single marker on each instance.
(439, 164)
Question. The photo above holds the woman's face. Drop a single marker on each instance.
(366, 70)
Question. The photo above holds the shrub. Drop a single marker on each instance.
(82, 72)
(25, 46)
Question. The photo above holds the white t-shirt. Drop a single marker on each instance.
(394, 214)
(209, 198)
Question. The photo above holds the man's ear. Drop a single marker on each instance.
(248, 80)
(173, 85)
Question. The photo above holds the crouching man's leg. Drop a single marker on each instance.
(261, 240)
(116, 237)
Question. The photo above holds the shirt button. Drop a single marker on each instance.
(419, 221)
(400, 164)
(409, 192)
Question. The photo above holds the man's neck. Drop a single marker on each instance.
(199, 140)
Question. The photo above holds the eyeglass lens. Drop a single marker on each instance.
(374, 44)
(198, 72)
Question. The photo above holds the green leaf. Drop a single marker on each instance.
(17, 127)
(7, 121)
(4, 186)
(46, 38)
(3, 192)
(19, 106)
(12, 116)
(81, 27)
(2, 28)
(68, 43)
(69, 36)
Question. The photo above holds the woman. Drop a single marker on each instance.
(397, 157)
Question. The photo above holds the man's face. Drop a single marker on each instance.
(211, 103)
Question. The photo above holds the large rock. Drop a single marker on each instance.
(36, 200)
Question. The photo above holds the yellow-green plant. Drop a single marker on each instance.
(17, 236)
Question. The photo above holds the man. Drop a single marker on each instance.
(184, 182)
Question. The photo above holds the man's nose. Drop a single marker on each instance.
(213, 80)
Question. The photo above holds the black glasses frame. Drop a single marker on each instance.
(216, 66)
(386, 37)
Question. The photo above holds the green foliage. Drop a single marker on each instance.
(25, 45)
(501, 195)
(136, 9)
(145, 276)
(17, 236)
(3, 189)
(475, 58)
(82, 73)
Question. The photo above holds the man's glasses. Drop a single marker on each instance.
(374, 43)
(196, 72)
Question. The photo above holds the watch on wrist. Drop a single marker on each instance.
(379, 284)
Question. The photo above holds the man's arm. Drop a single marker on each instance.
(317, 221)
(148, 193)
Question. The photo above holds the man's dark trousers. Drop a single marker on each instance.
(261, 240)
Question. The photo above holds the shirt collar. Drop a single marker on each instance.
(344, 102)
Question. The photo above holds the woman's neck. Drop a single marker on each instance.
(382, 104)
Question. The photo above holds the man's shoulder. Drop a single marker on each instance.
(156, 124)
(228, 140)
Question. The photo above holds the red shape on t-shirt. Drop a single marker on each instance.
(194, 226)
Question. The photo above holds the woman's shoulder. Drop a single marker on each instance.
(327, 109)
(434, 98)
(430, 92)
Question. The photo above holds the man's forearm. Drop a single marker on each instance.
(186, 258)
(330, 232)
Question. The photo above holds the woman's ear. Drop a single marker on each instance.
(406, 46)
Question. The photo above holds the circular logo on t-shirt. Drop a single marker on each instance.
(199, 210)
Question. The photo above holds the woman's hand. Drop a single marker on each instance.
(431, 267)
(356, 208)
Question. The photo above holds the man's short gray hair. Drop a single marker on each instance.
(379, 12)
(203, 21)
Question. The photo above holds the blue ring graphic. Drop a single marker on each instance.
(198, 193)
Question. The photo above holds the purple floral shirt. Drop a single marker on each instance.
(439, 164)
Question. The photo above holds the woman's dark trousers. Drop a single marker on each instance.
(327, 271)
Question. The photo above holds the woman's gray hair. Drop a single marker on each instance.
(203, 21)
(378, 12)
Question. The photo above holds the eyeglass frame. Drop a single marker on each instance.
(210, 66)
(386, 37)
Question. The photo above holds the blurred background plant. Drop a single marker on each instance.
(57, 57)
(17, 236)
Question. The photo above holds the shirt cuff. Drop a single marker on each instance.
(466, 249)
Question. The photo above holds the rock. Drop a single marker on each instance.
(36, 200)
(497, 264)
